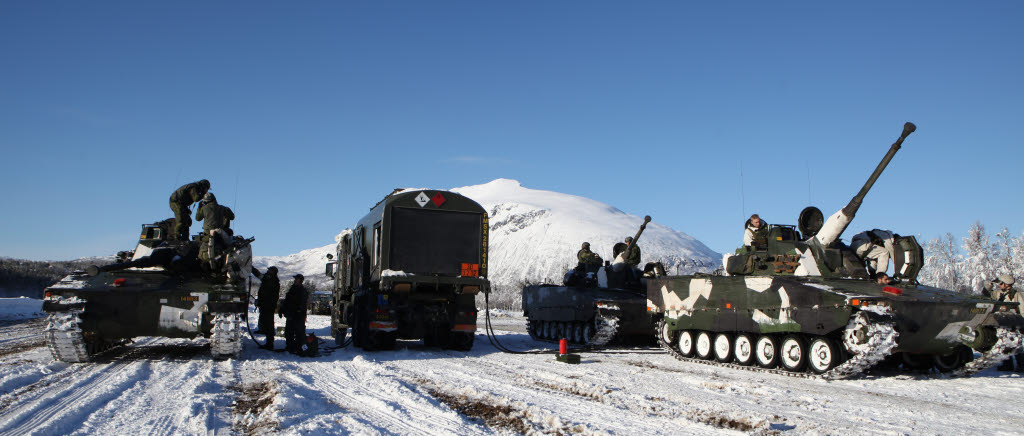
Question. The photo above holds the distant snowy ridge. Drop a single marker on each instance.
(534, 237)
(535, 234)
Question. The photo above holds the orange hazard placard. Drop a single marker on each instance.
(471, 270)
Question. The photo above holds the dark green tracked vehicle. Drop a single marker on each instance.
(160, 289)
(411, 269)
(595, 305)
(804, 300)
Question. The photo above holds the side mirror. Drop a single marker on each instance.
(329, 272)
(330, 256)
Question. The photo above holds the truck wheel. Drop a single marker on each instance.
(461, 341)
(339, 336)
(377, 340)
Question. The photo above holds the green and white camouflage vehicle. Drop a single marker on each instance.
(161, 289)
(805, 301)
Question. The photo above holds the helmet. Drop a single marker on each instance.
(205, 184)
(586, 245)
(209, 198)
(629, 239)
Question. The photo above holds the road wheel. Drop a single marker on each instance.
(793, 353)
(723, 347)
(577, 333)
(959, 357)
(766, 352)
(666, 333)
(743, 349)
(686, 343)
(822, 355)
(703, 348)
(588, 332)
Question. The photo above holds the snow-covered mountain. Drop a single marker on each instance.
(535, 235)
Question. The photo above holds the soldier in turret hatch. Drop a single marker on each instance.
(181, 199)
(633, 255)
(755, 232)
(216, 227)
(585, 256)
(875, 247)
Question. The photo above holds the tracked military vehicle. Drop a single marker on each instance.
(595, 304)
(411, 269)
(803, 300)
(160, 289)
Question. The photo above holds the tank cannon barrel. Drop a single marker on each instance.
(643, 226)
(838, 222)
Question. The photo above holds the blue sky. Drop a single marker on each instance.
(303, 115)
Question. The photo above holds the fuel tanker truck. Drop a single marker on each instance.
(803, 303)
(411, 269)
(161, 288)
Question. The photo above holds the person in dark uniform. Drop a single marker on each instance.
(181, 199)
(266, 301)
(293, 308)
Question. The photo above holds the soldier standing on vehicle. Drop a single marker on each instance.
(875, 248)
(632, 253)
(755, 232)
(266, 301)
(293, 308)
(216, 227)
(181, 199)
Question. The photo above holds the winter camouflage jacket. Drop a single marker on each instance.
(1011, 295)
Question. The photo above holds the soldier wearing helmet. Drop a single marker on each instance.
(216, 228)
(181, 200)
(587, 257)
(633, 254)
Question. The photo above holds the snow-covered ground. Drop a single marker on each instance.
(20, 308)
(165, 386)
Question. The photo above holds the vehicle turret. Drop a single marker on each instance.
(813, 247)
(838, 222)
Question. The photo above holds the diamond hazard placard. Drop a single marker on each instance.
(422, 199)
(438, 199)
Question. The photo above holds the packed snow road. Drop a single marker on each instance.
(164, 386)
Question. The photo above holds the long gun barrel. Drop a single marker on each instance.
(643, 226)
(837, 223)
(620, 259)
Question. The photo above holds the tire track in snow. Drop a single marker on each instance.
(58, 408)
(383, 400)
(169, 401)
